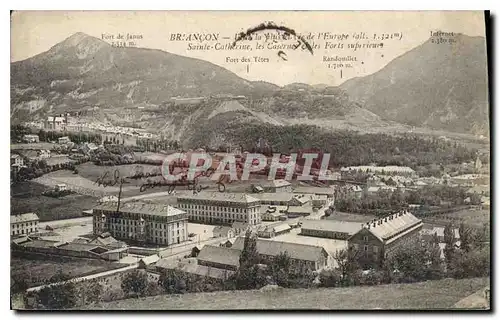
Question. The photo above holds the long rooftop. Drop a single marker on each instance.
(24, 217)
(391, 225)
(220, 196)
(274, 248)
(331, 225)
(141, 208)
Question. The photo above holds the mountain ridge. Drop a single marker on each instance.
(83, 72)
(440, 86)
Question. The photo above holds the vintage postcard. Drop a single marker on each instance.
(251, 160)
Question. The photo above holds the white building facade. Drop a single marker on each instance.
(23, 224)
(141, 222)
(221, 208)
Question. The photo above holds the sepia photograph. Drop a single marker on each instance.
(250, 160)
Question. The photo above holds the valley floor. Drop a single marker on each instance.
(430, 295)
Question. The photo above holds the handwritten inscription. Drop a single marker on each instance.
(107, 179)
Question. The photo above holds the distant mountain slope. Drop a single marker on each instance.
(135, 86)
(85, 71)
(441, 86)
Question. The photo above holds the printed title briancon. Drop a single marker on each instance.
(312, 166)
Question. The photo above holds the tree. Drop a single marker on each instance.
(449, 240)
(411, 260)
(18, 284)
(173, 282)
(475, 263)
(135, 283)
(249, 274)
(480, 237)
(249, 254)
(465, 237)
(347, 264)
(58, 296)
(280, 269)
(91, 292)
(330, 278)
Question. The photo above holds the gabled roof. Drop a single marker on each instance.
(398, 223)
(302, 198)
(222, 255)
(306, 208)
(24, 217)
(294, 250)
(141, 208)
(195, 268)
(276, 227)
(331, 225)
(220, 196)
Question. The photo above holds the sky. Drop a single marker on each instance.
(35, 32)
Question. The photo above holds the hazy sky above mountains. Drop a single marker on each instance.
(36, 32)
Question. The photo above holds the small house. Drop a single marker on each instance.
(31, 138)
(63, 140)
(271, 231)
(223, 232)
(61, 187)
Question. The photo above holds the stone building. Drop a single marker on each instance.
(142, 222)
(220, 208)
(331, 229)
(219, 257)
(23, 224)
(381, 237)
(302, 257)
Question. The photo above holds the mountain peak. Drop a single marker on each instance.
(77, 38)
(80, 44)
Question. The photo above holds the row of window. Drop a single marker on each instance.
(155, 238)
(17, 232)
(135, 223)
(367, 247)
(215, 208)
(23, 225)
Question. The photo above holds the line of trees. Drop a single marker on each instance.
(38, 168)
(347, 148)
(386, 201)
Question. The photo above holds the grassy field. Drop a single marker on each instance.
(36, 270)
(440, 294)
(27, 197)
(27, 146)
